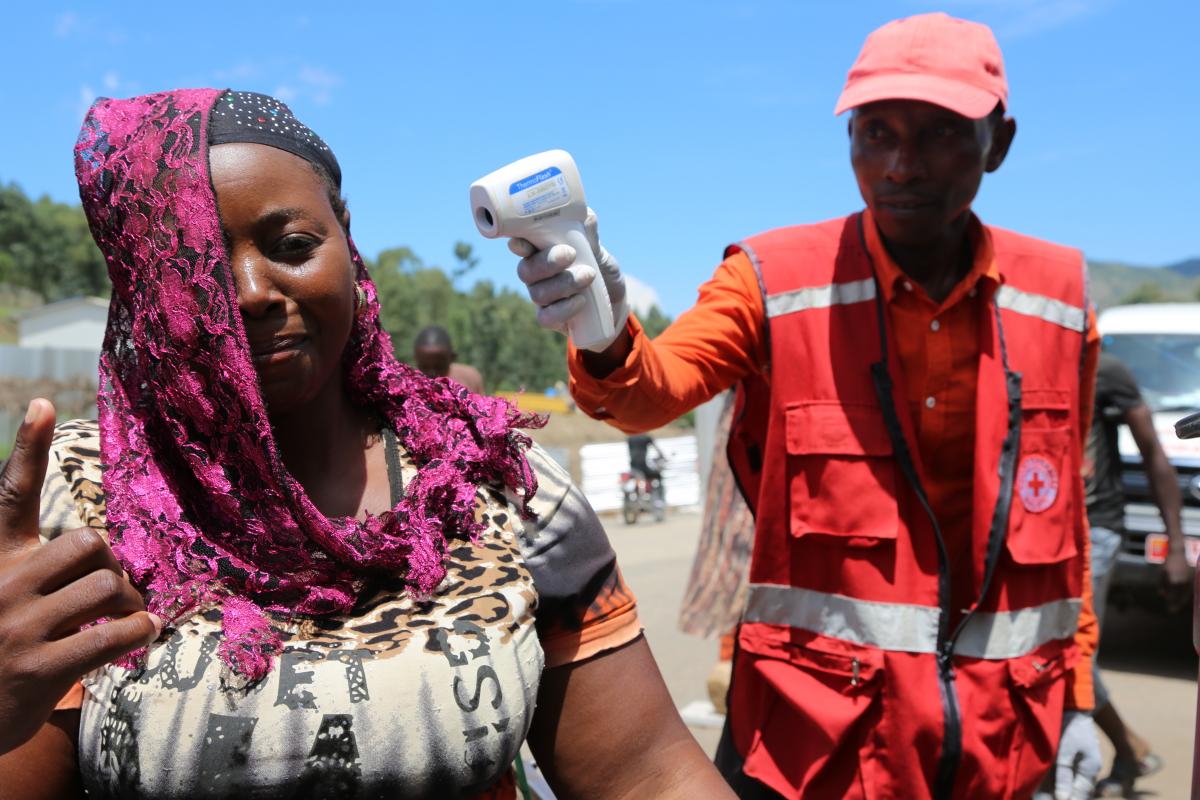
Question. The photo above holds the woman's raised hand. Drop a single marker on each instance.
(48, 592)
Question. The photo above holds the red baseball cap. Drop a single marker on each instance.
(936, 58)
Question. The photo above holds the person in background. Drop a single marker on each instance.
(917, 392)
(649, 466)
(719, 581)
(640, 445)
(1119, 401)
(433, 354)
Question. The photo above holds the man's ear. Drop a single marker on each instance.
(1002, 139)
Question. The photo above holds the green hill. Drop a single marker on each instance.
(1114, 283)
(1191, 267)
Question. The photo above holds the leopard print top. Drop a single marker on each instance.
(399, 699)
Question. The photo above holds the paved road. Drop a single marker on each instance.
(1149, 664)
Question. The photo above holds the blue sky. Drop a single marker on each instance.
(694, 124)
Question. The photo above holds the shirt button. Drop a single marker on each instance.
(907, 286)
(935, 326)
(930, 402)
(971, 293)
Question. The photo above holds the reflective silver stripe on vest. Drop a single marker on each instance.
(910, 628)
(835, 294)
(890, 626)
(1009, 634)
(1045, 308)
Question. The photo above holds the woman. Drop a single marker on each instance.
(368, 583)
(720, 580)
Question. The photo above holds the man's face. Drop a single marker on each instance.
(433, 360)
(919, 165)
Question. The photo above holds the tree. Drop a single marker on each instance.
(467, 260)
(494, 330)
(507, 344)
(46, 247)
(654, 321)
(411, 296)
(1146, 292)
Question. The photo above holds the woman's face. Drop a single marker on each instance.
(292, 267)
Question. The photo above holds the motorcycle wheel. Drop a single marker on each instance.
(630, 513)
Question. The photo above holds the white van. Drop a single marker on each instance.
(1160, 343)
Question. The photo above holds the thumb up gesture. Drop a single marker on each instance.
(48, 592)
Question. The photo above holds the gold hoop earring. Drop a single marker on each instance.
(360, 298)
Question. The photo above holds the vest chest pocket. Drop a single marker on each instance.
(1044, 516)
(841, 472)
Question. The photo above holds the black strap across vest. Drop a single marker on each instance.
(998, 531)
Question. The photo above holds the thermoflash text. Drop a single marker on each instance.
(540, 198)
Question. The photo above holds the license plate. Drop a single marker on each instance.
(1156, 548)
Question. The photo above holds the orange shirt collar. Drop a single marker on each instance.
(892, 278)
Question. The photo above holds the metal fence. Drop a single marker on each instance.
(48, 363)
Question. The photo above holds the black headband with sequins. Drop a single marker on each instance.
(261, 119)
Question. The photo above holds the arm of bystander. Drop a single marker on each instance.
(1164, 485)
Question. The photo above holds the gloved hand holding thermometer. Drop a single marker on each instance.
(539, 203)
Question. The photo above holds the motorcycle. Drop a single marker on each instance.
(642, 494)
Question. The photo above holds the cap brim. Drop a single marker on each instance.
(961, 98)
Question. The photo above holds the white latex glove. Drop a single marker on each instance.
(1079, 761)
(556, 283)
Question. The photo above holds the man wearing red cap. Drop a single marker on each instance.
(914, 388)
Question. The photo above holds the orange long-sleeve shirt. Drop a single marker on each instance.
(721, 339)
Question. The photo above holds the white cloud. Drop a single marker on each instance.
(311, 84)
(1039, 18)
(111, 81)
(319, 84)
(87, 96)
(68, 24)
(65, 24)
(1014, 19)
(239, 73)
(641, 295)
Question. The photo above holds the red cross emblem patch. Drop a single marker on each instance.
(1037, 483)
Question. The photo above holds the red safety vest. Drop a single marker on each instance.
(852, 679)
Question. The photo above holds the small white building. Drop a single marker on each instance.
(75, 324)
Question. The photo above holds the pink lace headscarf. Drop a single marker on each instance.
(200, 506)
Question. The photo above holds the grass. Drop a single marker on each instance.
(8, 324)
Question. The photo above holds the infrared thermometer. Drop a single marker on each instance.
(540, 198)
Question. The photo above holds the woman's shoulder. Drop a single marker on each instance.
(554, 482)
(558, 508)
(73, 490)
(77, 440)
(584, 605)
